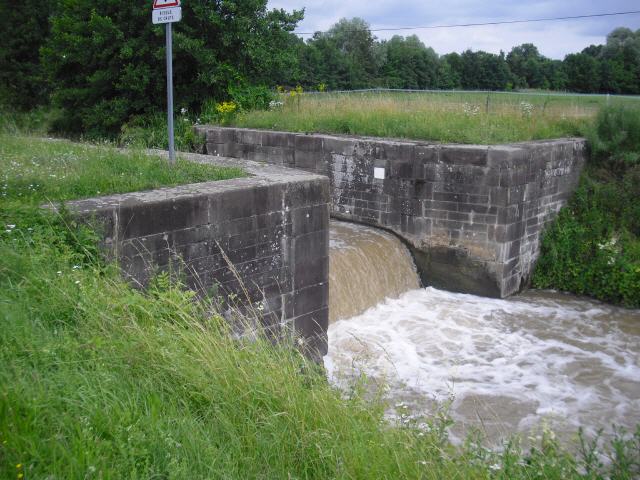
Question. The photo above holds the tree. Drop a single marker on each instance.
(349, 46)
(582, 72)
(526, 64)
(408, 64)
(107, 64)
(484, 71)
(448, 78)
(554, 74)
(25, 27)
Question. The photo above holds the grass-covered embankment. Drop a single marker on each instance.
(102, 381)
(593, 248)
(476, 118)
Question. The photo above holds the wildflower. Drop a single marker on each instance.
(77, 282)
(526, 109)
(471, 110)
(10, 227)
(183, 111)
(76, 267)
(59, 272)
(18, 466)
(494, 467)
(226, 107)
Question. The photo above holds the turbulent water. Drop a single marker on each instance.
(362, 254)
(509, 365)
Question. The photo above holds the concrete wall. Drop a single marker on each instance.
(259, 242)
(471, 214)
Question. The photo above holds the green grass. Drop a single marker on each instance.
(103, 381)
(38, 170)
(478, 118)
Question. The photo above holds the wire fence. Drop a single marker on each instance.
(481, 92)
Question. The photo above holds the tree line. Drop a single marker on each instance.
(102, 64)
(348, 56)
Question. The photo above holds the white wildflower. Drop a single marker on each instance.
(526, 109)
(471, 110)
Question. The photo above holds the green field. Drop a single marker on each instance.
(456, 117)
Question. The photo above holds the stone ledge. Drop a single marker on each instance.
(256, 235)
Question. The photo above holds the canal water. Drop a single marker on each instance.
(502, 366)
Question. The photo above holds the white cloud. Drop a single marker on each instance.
(554, 39)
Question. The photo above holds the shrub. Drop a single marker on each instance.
(593, 248)
(150, 131)
(615, 139)
(590, 249)
(251, 98)
(107, 65)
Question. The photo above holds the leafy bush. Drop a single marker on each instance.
(251, 98)
(615, 139)
(593, 248)
(150, 131)
(590, 249)
(107, 65)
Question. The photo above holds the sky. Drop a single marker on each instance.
(553, 39)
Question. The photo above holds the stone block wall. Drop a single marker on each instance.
(471, 214)
(261, 243)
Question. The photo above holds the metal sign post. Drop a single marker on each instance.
(172, 152)
(168, 12)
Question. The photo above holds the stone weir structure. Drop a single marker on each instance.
(260, 243)
(472, 215)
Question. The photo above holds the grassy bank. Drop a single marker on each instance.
(102, 381)
(593, 248)
(481, 118)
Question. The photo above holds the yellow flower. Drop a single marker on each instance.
(226, 107)
(18, 465)
(20, 475)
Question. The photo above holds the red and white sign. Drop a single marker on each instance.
(165, 4)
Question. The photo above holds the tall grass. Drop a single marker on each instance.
(38, 170)
(102, 381)
(481, 118)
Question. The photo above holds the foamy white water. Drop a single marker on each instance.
(509, 364)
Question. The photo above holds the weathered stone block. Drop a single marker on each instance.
(464, 155)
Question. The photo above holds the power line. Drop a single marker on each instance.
(504, 22)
